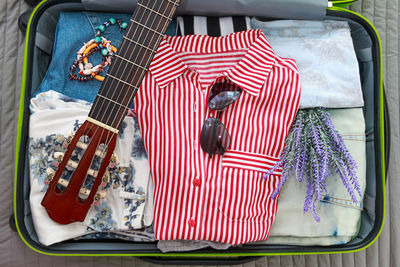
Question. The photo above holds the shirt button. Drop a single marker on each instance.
(197, 182)
(192, 223)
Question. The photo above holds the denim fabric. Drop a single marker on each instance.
(74, 29)
(339, 215)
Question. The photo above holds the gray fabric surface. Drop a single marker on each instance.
(13, 252)
(272, 8)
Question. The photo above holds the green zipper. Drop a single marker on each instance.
(219, 254)
(21, 119)
(381, 118)
(342, 3)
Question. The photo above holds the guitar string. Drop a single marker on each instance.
(119, 109)
(172, 11)
(103, 88)
(129, 75)
(108, 105)
(158, 39)
(148, 59)
(126, 52)
(108, 139)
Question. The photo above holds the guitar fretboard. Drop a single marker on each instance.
(143, 35)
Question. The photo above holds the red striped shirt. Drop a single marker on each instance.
(218, 198)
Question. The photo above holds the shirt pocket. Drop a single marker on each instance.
(244, 194)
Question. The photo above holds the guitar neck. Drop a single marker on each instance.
(129, 66)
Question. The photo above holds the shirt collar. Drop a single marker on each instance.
(250, 73)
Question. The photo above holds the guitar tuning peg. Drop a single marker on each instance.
(59, 155)
(50, 174)
(50, 171)
(68, 139)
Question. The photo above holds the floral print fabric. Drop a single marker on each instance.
(125, 206)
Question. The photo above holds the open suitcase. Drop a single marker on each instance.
(43, 23)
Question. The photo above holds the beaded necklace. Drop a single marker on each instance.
(99, 43)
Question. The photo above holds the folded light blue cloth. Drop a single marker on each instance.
(325, 58)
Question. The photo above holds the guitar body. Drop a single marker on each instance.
(65, 204)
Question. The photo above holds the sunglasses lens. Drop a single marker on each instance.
(214, 138)
(223, 94)
(223, 99)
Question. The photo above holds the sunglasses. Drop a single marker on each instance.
(214, 138)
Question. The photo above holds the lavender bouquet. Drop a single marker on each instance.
(311, 148)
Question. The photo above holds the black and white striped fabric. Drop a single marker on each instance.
(212, 26)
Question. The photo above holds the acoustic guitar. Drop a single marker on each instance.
(67, 200)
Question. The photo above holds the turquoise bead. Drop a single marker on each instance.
(104, 51)
(102, 28)
(112, 20)
(124, 25)
(97, 39)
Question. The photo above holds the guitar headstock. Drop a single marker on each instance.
(75, 182)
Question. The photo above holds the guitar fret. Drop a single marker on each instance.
(140, 24)
(115, 102)
(162, 15)
(131, 62)
(115, 78)
(136, 43)
(174, 3)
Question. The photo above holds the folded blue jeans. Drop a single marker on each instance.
(74, 29)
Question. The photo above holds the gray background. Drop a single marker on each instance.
(384, 14)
